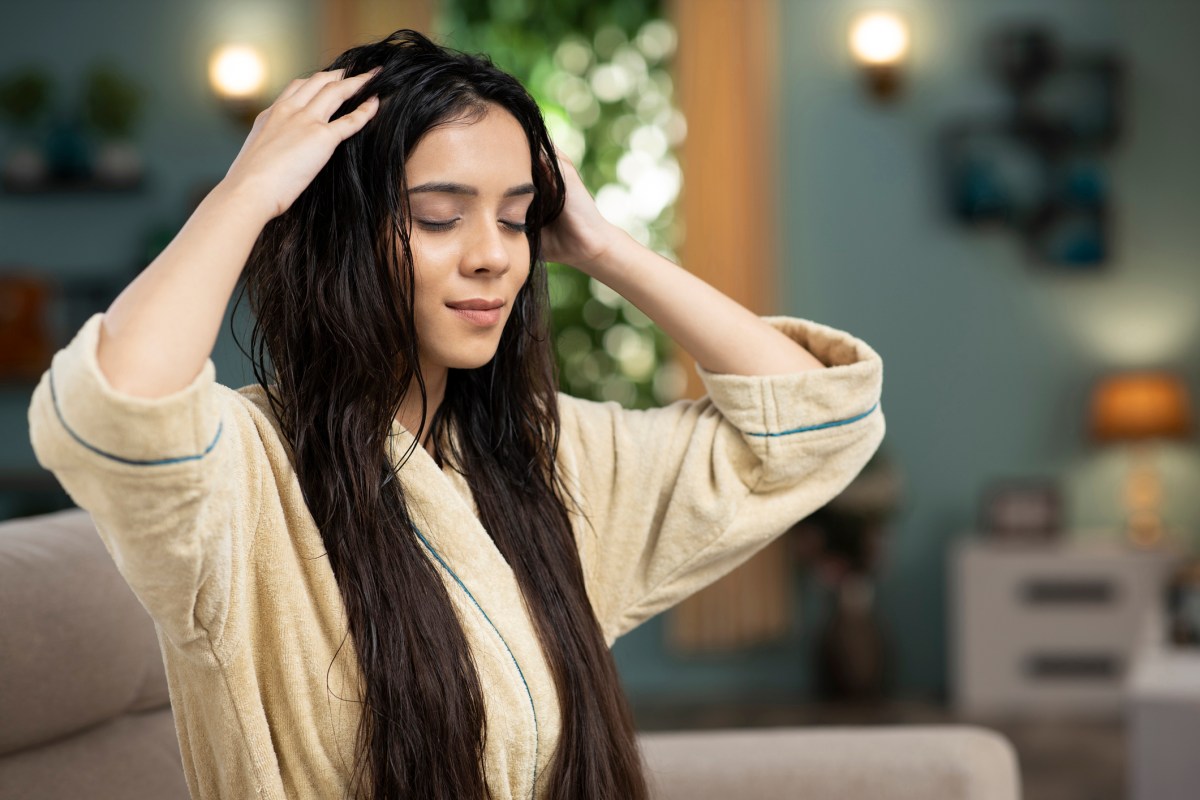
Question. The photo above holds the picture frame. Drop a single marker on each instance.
(1040, 168)
(990, 175)
(1021, 509)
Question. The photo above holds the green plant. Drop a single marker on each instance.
(112, 102)
(24, 95)
(599, 70)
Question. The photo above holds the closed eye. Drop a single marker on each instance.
(435, 225)
(438, 225)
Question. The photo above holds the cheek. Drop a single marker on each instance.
(520, 257)
(431, 264)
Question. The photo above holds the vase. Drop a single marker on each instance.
(24, 167)
(67, 151)
(852, 649)
(118, 162)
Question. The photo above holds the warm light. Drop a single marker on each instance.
(1140, 405)
(1155, 322)
(879, 38)
(237, 72)
(1137, 407)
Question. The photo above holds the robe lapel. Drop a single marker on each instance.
(443, 510)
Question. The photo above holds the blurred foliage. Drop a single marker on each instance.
(25, 96)
(599, 70)
(112, 101)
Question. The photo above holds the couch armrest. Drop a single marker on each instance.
(860, 763)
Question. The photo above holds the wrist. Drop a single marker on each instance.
(243, 198)
(612, 253)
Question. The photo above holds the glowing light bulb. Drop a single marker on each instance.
(237, 72)
(879, 38)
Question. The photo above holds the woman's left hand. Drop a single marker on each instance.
(581, 236)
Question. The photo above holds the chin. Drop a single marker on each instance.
(473, 359)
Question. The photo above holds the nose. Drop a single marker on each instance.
(486, 250)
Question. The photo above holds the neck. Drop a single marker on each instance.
(410, 409)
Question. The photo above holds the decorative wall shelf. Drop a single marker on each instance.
(81, 185)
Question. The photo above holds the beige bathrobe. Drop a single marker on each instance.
(198, 504)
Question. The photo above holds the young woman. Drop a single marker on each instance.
(394, 567)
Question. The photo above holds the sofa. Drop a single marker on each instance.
(84, 709)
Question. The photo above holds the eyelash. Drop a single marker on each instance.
(444, 226)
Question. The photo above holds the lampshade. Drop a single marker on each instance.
(1140, 405)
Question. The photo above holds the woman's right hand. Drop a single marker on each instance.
(293, 138)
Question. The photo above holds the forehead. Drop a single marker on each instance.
(487, 151)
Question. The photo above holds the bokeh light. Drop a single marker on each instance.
(608, 100)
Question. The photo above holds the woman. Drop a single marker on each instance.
(396, 569)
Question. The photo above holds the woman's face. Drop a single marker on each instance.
(470, 184)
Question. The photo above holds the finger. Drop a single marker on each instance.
(565, 164)
(290, 89)
(330, 97)
(563, 158)
(313, 87)
(304, 88)
(347, 125)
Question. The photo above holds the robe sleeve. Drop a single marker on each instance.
(173, 484)
(673, 498)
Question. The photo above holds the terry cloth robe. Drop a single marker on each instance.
(195, 498)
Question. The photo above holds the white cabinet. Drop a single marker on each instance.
(1048, 629)
(1164, 724)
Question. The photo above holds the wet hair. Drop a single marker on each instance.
(331, 285)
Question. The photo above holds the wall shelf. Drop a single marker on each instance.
(78, 185)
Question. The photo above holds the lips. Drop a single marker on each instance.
(478, 311)
(476, 304)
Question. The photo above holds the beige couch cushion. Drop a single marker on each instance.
(902, 763)
(79, 650)
(132, 757)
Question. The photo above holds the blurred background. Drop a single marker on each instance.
(1000, 197)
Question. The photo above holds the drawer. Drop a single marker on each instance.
(1046, 630)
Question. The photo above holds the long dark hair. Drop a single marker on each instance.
(334, 311)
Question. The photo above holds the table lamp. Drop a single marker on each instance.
(1139, 407)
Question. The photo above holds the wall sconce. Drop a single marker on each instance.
(237, 75)
(879, 43)
(1138, 407)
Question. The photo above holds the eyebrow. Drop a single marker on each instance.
(462, 188)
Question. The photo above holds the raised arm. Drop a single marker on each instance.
(161, 329)
(722, 335)
(129, 416)
(676, 497)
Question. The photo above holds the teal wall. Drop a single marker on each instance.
(184, 138)
(987, 360)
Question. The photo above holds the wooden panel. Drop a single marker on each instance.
(726, 75)
(346, 23)
(726, 78)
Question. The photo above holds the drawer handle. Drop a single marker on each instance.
(1068, 592)
(1065, 666)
